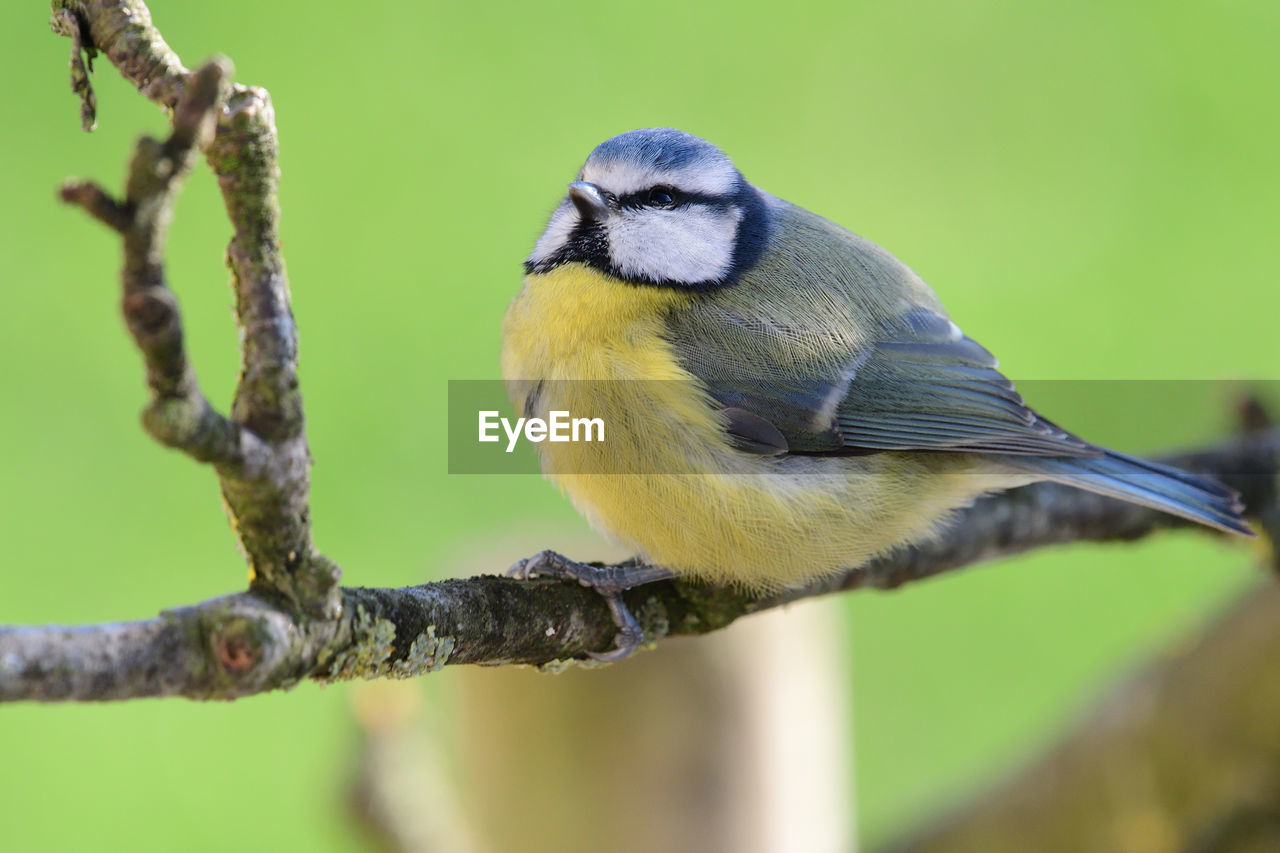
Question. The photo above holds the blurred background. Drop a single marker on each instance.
(1092, 189)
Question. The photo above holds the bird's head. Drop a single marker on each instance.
(657, 207)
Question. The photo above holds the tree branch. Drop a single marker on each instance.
(179, 415)
(260, 452)
(245, 644)
(295, 622)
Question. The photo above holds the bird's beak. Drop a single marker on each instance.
(589, 200)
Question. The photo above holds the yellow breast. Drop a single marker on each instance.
(593, 346)
(577, 323)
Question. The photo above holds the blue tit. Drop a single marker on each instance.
(782, 398)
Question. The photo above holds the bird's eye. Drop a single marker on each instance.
(660, 197)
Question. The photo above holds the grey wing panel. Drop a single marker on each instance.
(921, 385)
(926, 386)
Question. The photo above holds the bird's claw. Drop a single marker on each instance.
(609, 581)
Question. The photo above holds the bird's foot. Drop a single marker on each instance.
(609, 581)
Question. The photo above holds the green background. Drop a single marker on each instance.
(1091, 187)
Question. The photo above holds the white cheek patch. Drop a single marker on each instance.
(563, 221)
(704, 177)
(688, 244)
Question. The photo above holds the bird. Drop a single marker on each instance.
(783, 399)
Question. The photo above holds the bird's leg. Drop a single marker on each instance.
(609, 581)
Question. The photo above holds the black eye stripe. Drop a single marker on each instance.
(680, 198)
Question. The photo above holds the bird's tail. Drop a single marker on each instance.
(1150, 484)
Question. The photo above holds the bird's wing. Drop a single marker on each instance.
(869, 362)
(920, 385)
(927, 386)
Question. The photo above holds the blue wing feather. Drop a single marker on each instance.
(1146, 483)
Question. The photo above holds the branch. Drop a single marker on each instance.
(260, 453)
(245, 644)
(295, 622)
(179, 415)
